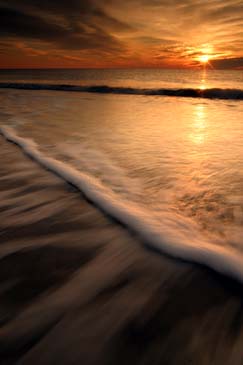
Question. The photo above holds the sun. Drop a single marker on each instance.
(204, 58)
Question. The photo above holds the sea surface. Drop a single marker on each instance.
(158, 154)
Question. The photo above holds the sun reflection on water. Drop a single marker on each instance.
(198, 134)
(203, 81)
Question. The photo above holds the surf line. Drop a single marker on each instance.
(158, 235)
(211, 93)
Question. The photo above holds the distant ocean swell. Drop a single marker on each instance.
(213, 93)
(170, 236)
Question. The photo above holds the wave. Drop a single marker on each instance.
(174, 239)
(212, 93)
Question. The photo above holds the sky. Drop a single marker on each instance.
(121, 33)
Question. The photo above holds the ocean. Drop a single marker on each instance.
(121, 216)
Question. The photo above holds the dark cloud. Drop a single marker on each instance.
(54, 6)
(67, 24)
(229, 63)
(15, 23)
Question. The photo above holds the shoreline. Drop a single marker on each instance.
(78, 287)
(199, 250)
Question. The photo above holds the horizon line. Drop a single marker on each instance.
(118, 68)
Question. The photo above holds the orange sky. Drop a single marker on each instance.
(114, 33)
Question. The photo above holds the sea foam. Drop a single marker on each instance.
(170, 236)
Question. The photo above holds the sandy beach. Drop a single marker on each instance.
(78, 288)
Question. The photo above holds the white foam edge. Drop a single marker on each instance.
(168, 240)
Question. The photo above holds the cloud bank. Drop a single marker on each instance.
(111, 33)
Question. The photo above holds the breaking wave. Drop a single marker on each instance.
(212, 93)
(173, 235)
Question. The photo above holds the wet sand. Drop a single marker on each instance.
(78, 288)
